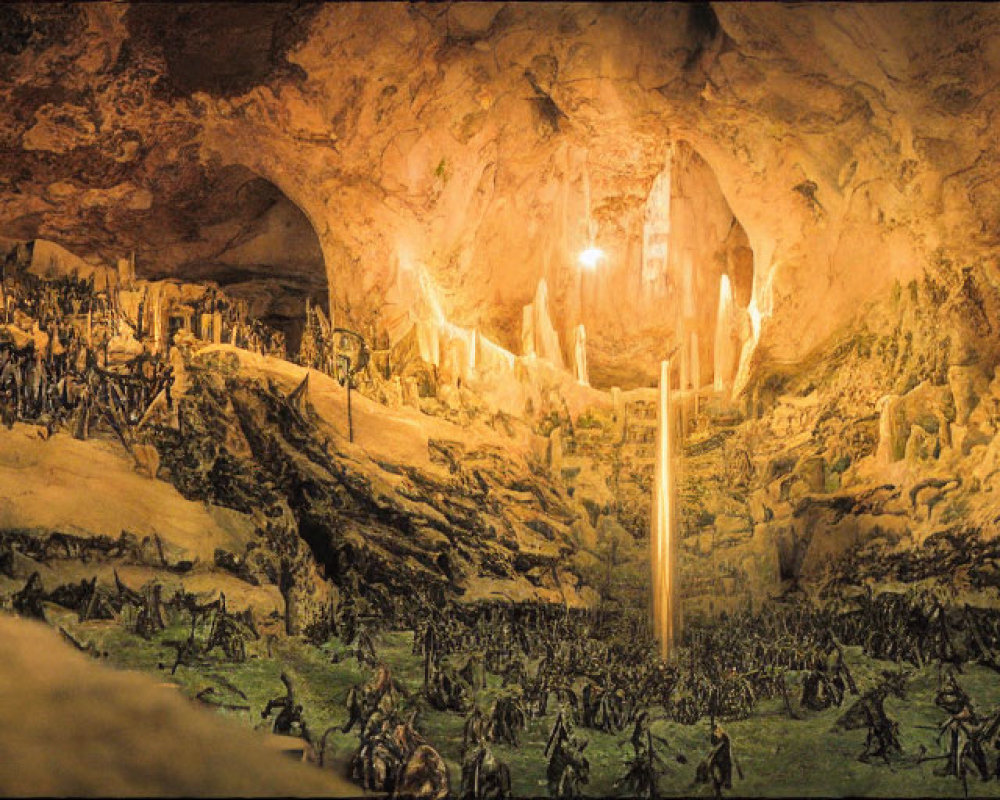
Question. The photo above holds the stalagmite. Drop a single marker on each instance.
(664, 571)
(528, 331)
(429, 342)
(217, 327)
(157, 321)
(891, 433)
(180, 372)
(537, 331)
(580, 355)
(695, 362)
(724, 350)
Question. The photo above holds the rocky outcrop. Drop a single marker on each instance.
(478, 519)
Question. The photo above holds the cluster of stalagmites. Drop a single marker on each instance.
(888, 435)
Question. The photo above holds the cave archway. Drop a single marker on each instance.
(239, 230)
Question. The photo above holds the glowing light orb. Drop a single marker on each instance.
(590, 257)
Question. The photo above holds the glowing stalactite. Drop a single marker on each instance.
(724, 352)
(656, 227)
(580, 355)
(664, 580)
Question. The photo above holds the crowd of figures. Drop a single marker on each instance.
(587, 670)
(337, 352)
(602, 673)
(212, 627)
(53, 374)
(945, 556)
(58, 366)
(237, 326)
(584, 669)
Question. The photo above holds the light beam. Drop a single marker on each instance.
(661, 533)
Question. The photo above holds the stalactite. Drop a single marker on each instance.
(724, 351)
(656, 227)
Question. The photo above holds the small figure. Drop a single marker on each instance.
(28, 601)
(289, 721)
(568, 770)
(484, 777)
(646, 765)
(869, 712)
(717, 766)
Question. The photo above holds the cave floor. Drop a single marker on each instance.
(779, 757)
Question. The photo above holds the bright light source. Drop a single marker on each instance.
(590, 257)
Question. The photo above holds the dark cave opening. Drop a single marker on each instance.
(242, 232)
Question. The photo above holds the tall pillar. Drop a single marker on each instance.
(662, 540)
(546, 338)
(695, 369)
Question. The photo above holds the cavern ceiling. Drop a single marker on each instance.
(482, 147)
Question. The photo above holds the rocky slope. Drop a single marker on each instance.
(278, 508)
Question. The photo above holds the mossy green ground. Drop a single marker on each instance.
(779, 757)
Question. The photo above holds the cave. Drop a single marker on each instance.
(241, 232)
(499, 399)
